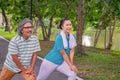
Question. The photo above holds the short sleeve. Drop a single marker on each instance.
(37, 46)
(12, 48)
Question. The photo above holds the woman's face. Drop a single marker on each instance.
(67, 26)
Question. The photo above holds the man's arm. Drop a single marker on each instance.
(34, 59)
(17, 62)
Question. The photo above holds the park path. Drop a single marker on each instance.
(3, 51)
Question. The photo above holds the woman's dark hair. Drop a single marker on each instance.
(62, 22)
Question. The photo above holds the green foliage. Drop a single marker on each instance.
(94, 10)
(7, 35)
(101, 11)
(58, 9)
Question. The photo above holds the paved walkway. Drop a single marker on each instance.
(3, 51)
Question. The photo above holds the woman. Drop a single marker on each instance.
(60, 58)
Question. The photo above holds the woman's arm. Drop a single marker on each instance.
(72, 55)
(34, 58)
(67, 60)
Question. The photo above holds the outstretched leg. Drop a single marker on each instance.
(46, 69)
(65, 69)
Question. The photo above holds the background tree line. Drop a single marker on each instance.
(97, 14)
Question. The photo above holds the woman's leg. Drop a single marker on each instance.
(46, 68)
(65, 69)
(6, 74)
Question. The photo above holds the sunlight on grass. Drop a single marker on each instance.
(7, 35)
(98, 66)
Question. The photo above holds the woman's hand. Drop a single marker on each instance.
(73, 68)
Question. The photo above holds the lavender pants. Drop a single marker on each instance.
(48, 67)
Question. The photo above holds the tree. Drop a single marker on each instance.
(52, 11)
(2, 3)
(80, 28)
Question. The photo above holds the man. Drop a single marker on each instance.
(22, 53)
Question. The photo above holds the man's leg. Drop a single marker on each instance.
(31, 76)
(6, 74)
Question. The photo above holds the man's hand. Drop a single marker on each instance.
(29, 70)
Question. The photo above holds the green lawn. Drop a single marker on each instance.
(97, 66)
(94, 66)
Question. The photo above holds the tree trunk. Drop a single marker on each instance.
(100, 29)
(42, 26)
(50, 27)
(7, 27)
(36, 26)
(105, 39)
(44, 33)
(80, 28)
(111, 34)
(98, 32)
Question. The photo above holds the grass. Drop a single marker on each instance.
(7, 35)
(94, 66)
(97, 66)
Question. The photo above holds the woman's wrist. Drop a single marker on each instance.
(71, 65)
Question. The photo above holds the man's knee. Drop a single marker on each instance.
(31, 77)
(28, 76)
(6, 74)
